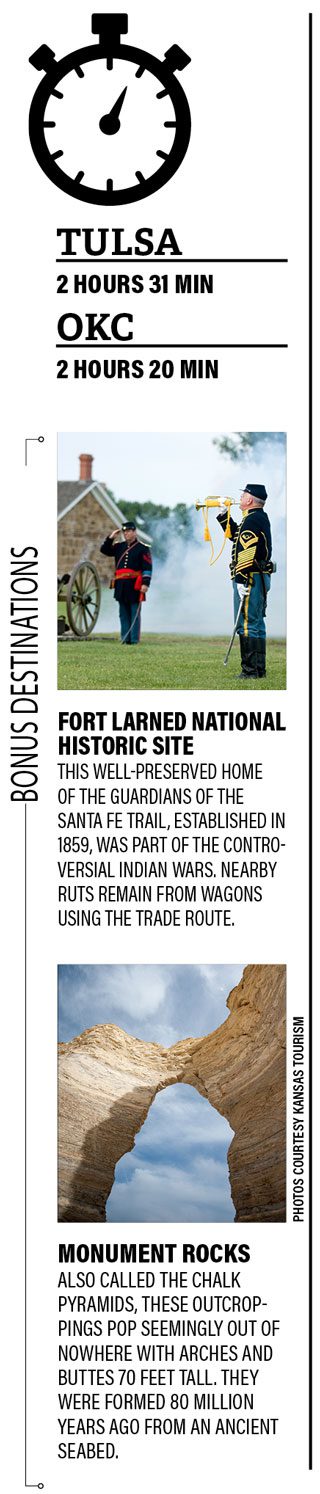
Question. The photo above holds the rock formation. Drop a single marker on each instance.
(107, 1081)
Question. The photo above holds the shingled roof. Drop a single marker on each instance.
(69, 493)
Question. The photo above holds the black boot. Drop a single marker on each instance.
(261, 657)
(249, 662)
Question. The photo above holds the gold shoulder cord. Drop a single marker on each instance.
(216, 503)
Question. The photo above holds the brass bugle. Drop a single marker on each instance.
(215, 503)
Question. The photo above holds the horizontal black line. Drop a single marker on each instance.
(142, 259)
(126, 347)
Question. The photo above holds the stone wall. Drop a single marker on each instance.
(107, 1081)
(81, 531)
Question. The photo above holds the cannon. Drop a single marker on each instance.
(79, 597)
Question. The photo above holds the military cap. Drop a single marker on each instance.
(256, 490)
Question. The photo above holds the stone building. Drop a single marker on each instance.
(87, 512)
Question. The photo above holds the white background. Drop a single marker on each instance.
(242, 190)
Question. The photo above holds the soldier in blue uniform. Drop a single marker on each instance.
(251, 568)
(133, 570)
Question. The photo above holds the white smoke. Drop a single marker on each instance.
(187, 595)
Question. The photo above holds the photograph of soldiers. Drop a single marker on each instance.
(133, 570)
(251, 569)
(123, 499)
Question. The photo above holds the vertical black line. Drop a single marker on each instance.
(25, 1144)
(310, 751)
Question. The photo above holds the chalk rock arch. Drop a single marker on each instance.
(107, 1081)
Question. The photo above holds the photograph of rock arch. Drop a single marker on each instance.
(185, 1082)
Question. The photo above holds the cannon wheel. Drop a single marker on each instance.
(83, 598)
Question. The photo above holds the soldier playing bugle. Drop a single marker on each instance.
(251, 568)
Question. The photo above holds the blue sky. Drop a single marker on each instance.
(177, 1170)
(160, 1003)
(172, 467)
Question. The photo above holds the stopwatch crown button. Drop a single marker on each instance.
(177, 58)
(109, 27)
(43, 58)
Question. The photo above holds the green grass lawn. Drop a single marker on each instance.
(162, 662)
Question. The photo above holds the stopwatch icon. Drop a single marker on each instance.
(109, 123)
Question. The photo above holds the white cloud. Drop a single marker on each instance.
(137, 990)
(175, 1119)
(172, 1195)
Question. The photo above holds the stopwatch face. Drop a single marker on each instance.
(110, 130)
